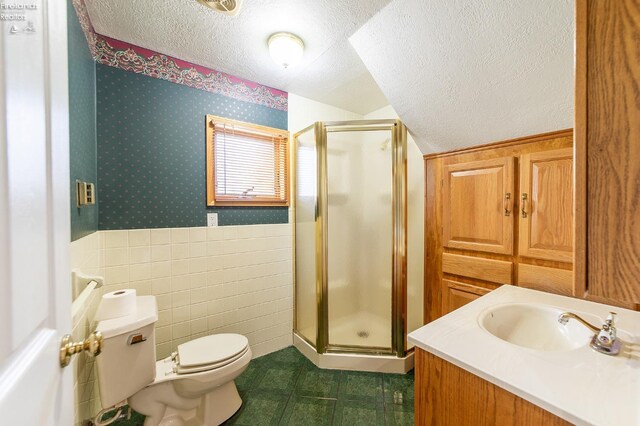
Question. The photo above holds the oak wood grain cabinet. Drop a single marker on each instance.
(479, 231)
(607, 142)
(448, 395)
(480, 268)
(478, 204)
(456, 295)
(546, 205)
(552, 280)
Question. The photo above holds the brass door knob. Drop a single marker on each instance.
(92, 345)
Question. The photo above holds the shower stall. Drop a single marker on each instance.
(358, 244)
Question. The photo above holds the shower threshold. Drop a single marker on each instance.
(352, 361)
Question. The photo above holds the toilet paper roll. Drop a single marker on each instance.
(117, 304)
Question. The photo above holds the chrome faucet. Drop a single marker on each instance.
(605, 340)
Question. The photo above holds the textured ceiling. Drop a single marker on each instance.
(466, 72)
(330, 70)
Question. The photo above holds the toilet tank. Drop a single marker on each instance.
(128, 359)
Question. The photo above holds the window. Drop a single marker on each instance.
(247, 164)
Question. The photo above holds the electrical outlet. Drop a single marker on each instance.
(212, 219)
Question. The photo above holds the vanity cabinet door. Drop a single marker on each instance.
(546, 205)
(478, 205)
(456, 295)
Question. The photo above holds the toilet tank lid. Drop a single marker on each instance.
(146, 313)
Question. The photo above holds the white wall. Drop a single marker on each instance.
(304, 112)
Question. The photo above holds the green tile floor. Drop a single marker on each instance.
(284, 388)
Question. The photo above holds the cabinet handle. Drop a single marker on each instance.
(524, 204)
(507, 204)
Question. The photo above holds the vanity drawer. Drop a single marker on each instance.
(492, 270)
(553, 280)
(456, 294)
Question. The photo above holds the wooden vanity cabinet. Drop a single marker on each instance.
(498, 214)
(448, 395)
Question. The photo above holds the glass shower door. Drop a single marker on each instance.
(305, 227)
(360, 238)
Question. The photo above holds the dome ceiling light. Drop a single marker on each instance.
(286, 49)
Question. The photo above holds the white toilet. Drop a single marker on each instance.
(193, 387)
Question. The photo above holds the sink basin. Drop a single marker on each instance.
(535, 327)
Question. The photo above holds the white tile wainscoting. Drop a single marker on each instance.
(228, 279)
(231, 279)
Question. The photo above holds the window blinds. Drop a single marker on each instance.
(250, 164)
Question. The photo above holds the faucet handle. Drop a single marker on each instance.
(607, 337)
(611, 326)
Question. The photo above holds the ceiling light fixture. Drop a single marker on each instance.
(286, 49)
(228, 7)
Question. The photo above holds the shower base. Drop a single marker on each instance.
(360, 329)
(354, 362)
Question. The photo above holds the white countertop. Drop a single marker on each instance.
(580, 386)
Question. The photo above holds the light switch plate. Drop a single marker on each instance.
(85, 194)
(212, 219)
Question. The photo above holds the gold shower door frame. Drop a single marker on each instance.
(399, 240)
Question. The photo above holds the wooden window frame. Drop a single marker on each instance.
(211, 122)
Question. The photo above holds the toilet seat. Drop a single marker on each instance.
(210, 352)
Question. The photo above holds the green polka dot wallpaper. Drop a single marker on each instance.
(82, 124)
(151, 152)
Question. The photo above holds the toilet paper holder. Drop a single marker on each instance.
(80, 281)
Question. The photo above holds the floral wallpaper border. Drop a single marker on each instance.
(136, 59)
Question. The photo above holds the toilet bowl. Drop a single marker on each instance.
(192, 387)
(195, 386)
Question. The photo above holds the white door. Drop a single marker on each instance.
(35, 289)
